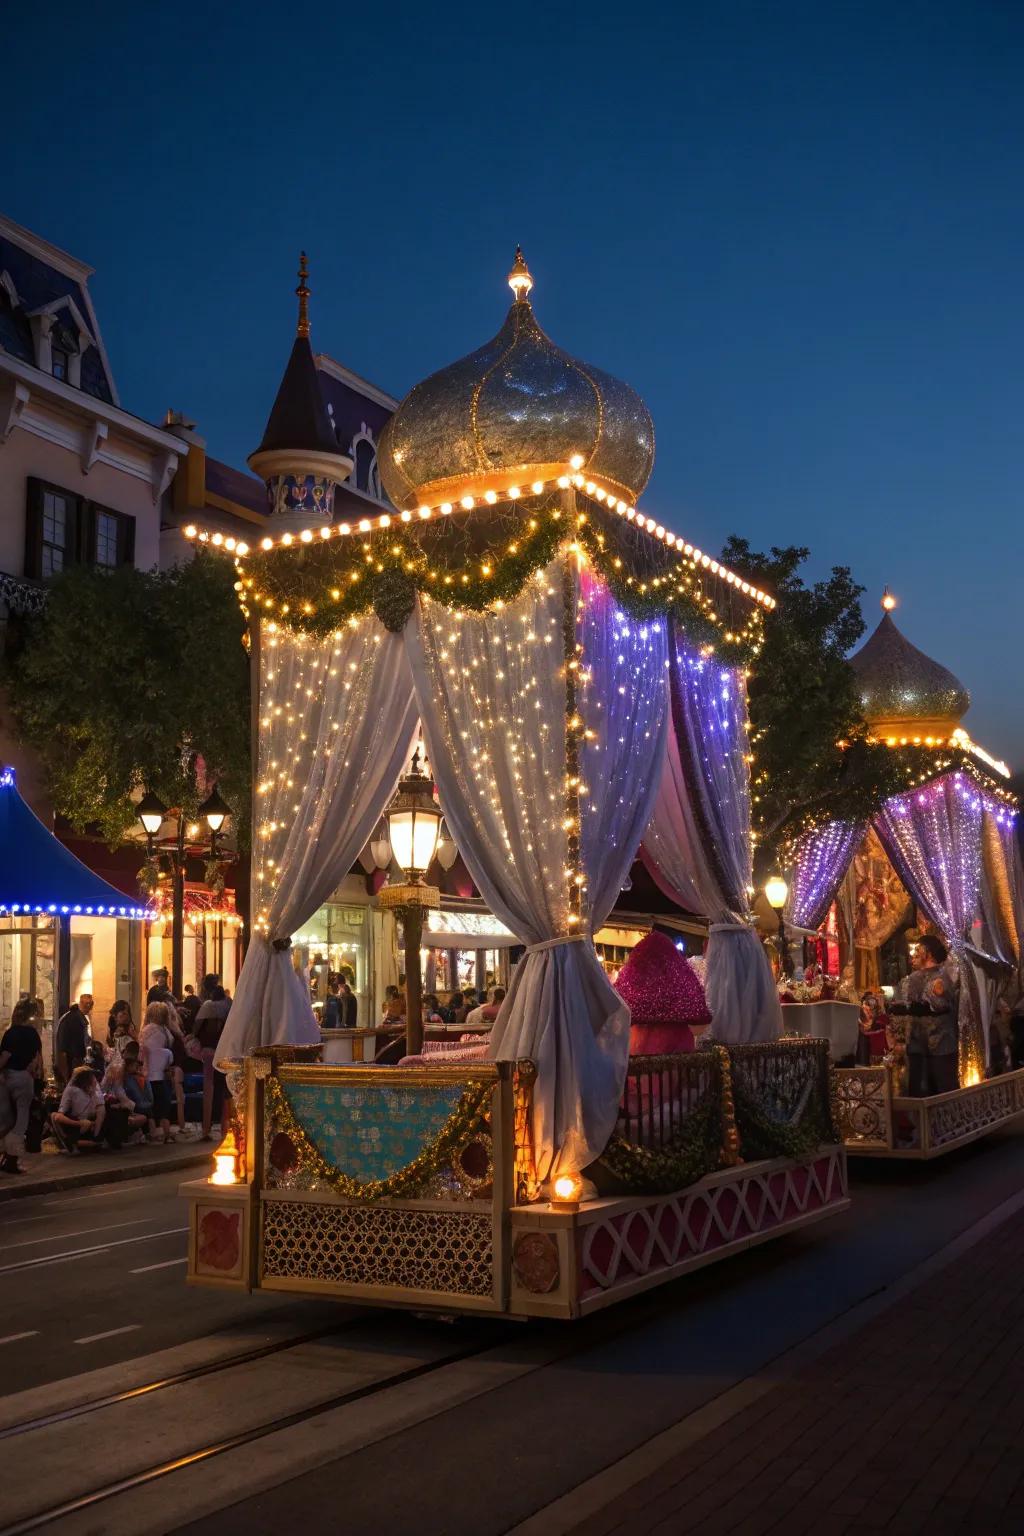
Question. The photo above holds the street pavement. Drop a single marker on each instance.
(477, 1430)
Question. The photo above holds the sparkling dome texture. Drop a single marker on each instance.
(896, 681)
(659, 985)
(518, 406)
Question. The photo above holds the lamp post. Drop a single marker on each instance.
(413, 823)
(152, 812)
(776, 892)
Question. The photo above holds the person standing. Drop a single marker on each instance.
(932, 1004)
(21, 1064)
(160, 992)
(210, 1021)
(156, 1043)
(332, 1005)
(71, 1045)
(349, 1005)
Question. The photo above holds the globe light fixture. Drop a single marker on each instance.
(776, 892)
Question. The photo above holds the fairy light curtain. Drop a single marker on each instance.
(820, 863)
(545, 723)
(698, 844)
(933, 838)
(336, 721)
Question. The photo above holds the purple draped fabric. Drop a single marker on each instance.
(698, 843)
(820, 864)
(933, 838)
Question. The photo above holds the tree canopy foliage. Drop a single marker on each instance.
(126, 680)
(812, 758)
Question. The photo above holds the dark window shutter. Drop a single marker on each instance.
(82, 538)
(34, 529)
(126, 541)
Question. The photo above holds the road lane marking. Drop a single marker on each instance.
(94, 1338)
(78, 1253)
(33, 1242)
(147, 1267)
(12, 1338)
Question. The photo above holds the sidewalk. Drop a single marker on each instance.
(912, 1423)
(51, 1170)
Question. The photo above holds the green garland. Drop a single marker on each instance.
(696, 1150)
(476, 563)
(407, 1181)
(761, 1136)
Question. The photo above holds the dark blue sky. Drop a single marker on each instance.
(796, 228)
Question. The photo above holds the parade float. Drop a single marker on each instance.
(941, 856)
(576, 673)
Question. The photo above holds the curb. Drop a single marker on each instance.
(25, 1186)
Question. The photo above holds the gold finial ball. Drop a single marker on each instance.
(519, 279)
(888, 601)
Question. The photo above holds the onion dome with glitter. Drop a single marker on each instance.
(299, 437)
(903, 691)
(518, 407)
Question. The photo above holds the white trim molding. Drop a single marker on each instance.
(14, 397)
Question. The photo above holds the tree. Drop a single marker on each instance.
(813, 761)
(126, 680)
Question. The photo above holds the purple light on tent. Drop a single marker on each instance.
(821, 860)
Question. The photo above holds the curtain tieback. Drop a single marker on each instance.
(280, 945)
(729, 927)
(563, 938)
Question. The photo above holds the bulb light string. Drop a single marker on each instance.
(595, 490)
(484, 563)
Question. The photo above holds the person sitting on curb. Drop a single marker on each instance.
(123, 1118)
(79, 1120)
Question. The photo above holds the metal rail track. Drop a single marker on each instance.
(151, 1474)
(193, 1373)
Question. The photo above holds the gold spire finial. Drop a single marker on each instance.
(519, 279)
(302, 329)
(888, 601)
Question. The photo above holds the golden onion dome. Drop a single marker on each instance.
(517, 409)
(903, 692)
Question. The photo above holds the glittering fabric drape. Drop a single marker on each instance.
(933, 837)
(698, 845)
(505, 751)
(820, 863)
(337, 717)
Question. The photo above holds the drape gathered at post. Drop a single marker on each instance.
(545, 723)
(337, 718)
(933, 839)
(697, 844)
(820, 863)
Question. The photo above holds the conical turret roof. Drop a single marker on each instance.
(902, 687)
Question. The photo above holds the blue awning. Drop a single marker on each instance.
(38, 874)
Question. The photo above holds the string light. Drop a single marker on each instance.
(603, 493)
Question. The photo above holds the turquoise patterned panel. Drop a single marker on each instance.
(367, 1132)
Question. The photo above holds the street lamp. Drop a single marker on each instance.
(776, 893)
(413, 822)
(216, 810)
(151, 812)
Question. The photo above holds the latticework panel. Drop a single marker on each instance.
(447, 1251)
(863, 1106)
(979, 1110)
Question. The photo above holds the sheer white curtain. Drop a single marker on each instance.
(493, 697)
(698, 847)
(336, 721)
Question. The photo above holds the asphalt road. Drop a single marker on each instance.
(96, 1276)
(596, 1390)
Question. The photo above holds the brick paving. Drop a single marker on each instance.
(913, 1424)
